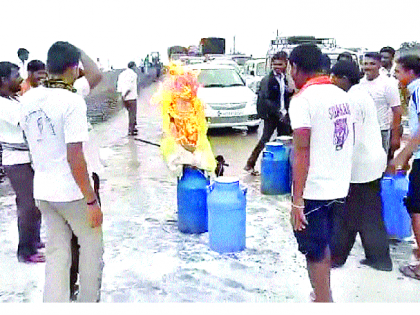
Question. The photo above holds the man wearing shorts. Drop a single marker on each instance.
(407, 71)
(322, 123)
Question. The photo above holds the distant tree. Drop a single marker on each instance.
(410, 45)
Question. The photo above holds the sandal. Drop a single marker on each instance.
(410, 271)
(35, 258)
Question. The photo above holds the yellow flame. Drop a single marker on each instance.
(183, 117)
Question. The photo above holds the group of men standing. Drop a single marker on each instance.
(346, 129)
(44, 132)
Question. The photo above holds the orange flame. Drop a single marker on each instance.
(183, 118)
(183, 112)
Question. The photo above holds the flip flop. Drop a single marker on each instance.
(410, 271)
(35, 258)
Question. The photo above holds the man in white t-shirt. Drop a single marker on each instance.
(407, 71)
(89, 77)
(17, 164)
(322, 122)
(385, 94)
(127, 86)
(363, 208)
(55, 124)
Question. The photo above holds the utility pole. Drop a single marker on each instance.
(234, 51)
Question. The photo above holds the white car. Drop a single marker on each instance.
(228, 101)
(254, 71)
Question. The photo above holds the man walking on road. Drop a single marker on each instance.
(272, 106)
(17, 164)
(127, 86)
(55, 123)
(322, 123)
(363, 208)
(407, 71)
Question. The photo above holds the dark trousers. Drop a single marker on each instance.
(21, 177)
(75, 247)
(283, 129)
(363, 214)
(131, 107)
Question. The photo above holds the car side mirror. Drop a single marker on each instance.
(252, 72)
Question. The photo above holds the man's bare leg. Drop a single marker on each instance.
(319, 275)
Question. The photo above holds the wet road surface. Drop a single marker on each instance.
(148, 260)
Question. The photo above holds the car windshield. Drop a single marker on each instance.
(219, 78)
(261, 69)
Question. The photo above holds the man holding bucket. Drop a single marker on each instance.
(407, 71)
(321, 119)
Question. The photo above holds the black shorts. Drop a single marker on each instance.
(321, 215)
(412, 201)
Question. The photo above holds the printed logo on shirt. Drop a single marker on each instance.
(43, 124)
(341, 128)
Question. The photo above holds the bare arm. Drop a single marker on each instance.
(395, 132)
(91, 71)
(301, 145)
(401, 160)
(77, 162)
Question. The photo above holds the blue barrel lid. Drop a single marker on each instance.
(226, 179)
(285, 139)
(274, 144)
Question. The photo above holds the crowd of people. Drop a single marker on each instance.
(346, 128)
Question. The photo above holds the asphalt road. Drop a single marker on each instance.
(148, 260)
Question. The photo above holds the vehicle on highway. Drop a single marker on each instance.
(228, 101)
(328, 46)
(253, 72)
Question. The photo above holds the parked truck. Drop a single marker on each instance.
(212, 45)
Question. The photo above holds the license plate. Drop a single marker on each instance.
(229, 113)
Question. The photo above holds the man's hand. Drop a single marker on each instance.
(95, 216)
(297, 218)
(397, 164)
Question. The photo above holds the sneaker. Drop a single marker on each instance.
(251, 170)
(74, 291)
(378, 265)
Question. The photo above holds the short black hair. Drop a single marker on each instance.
(307, 57)
(131, 64)
(347, 69)
(388, 49)
(62, 55)
(22, 51)
(410, 62)
(6, 69)
(280, 55)
(35, 65)
(345, 54)
(373, 55)
(325, 63)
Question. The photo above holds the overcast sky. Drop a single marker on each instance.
(124, 30)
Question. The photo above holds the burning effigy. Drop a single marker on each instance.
(184, 124)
